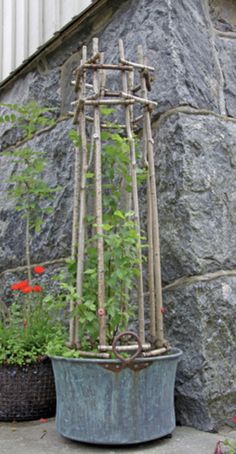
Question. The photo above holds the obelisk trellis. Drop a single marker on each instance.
(127, 98)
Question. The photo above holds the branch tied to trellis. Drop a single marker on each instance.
(133, 110)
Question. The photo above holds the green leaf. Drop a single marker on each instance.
(119, 214)
(89, 174)
(107, 111)
(90, 271)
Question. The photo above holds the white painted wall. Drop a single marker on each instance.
(27, 24)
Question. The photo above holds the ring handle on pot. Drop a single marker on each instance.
(136, 353)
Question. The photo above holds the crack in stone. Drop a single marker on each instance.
(190, 111)
(188, 280)
(226, 35)
(36, 134)
(157, 119)
(222, 105)
(24, 267)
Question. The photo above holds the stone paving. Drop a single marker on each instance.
(42, 438)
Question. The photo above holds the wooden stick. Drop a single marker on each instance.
(155, 223)
(136, 65)
(124, 348)
(77, 179)
(92, 59)
(135, 202)
(130, 90)
(108, 66)
(139, 99)
(81, 230)
(137, 119)
(128, 195)
(108, 92)
(102, 81)
(103, 125)
(151, 280)
(27, 246)
(106, 125)
(122, 94)
(113, 94)
(98, 192)
(157, 352)
(77, 168)
(94, 354)
(91, 152)
(80, 70)
(97, 102)
(136, 88)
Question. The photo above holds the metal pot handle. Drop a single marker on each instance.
(135, 354)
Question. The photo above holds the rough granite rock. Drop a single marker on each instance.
(200, 319)
(171, 34)
(227, 55)
(196, 168)
(223, 13)
(55, 238)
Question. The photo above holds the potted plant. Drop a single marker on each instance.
(27, 323)
(27, 389)
(113, 386)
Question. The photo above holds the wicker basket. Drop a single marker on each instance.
(27, 392)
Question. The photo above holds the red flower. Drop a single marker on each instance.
(39, 269)
(20, 285)
(25, 323)
(37, 288)
(218, 448)
(101, 312)
(163, 310)
(28, 289)
(234, 419)
(43, 420)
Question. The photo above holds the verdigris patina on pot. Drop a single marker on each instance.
(103, 402)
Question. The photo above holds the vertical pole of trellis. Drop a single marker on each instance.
(82, 207)
(151, 278)
(77, 180)
(135, 198)
(153, 211)
(98, 208)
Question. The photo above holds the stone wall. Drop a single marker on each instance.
(192, 45)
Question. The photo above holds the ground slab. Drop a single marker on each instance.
(41, 438)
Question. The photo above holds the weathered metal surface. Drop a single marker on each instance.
(95, 405)
(118, 367)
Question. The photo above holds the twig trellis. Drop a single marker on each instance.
(129, 97)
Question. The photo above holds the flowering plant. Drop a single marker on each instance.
(28, 324)
(231, 445)
(28, 188)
